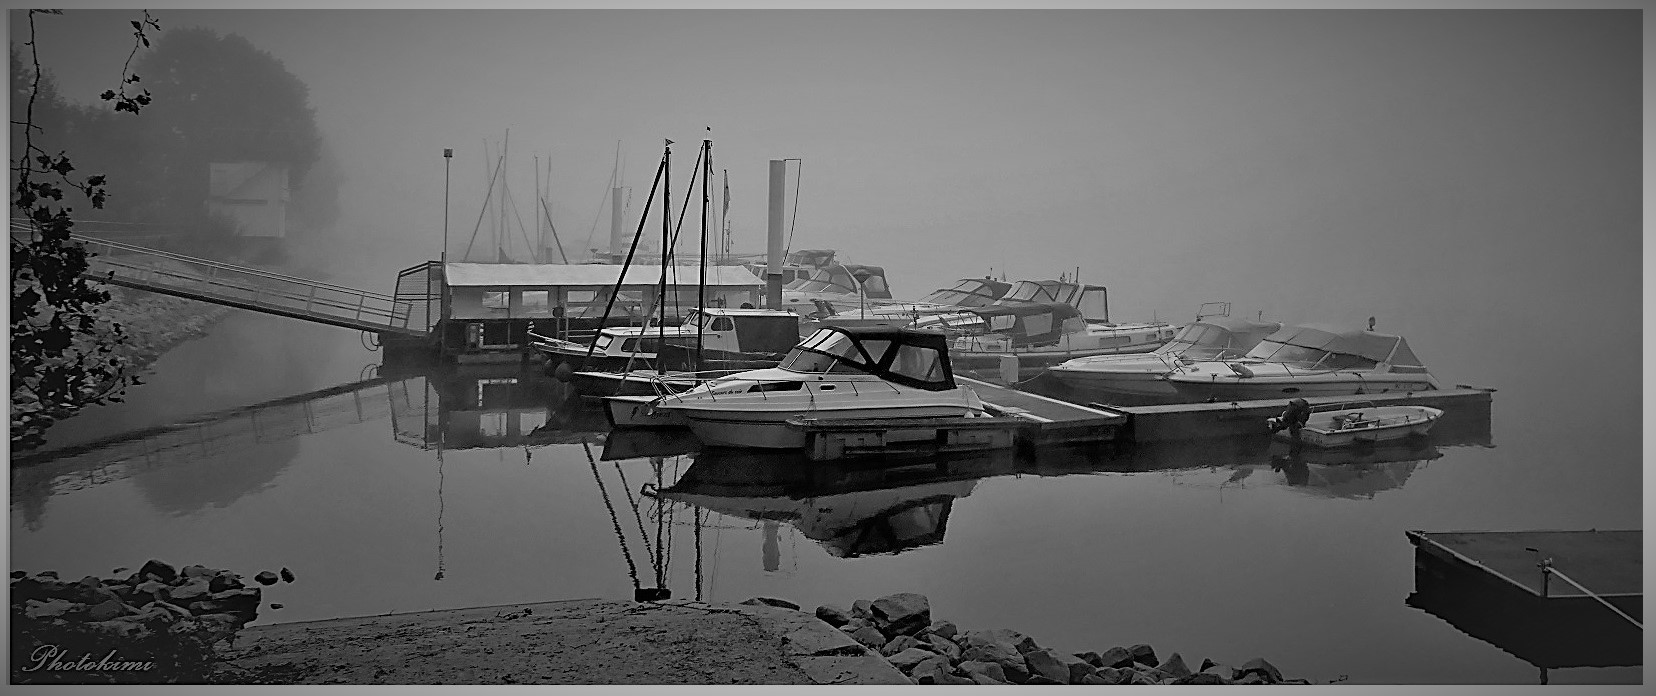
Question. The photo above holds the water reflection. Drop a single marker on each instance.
(850, 510)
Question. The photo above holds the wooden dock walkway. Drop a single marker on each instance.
(1051, 421)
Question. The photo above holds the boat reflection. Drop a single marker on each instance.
(850, 511)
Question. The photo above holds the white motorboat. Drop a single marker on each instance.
(836, 372)
(1341, 425)
(1207, 338)
(1307, 360)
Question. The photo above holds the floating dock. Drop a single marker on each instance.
(1169, 422)
(1514, 590)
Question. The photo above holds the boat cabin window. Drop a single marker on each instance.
(639, 345)
(603, 342)
(722, 324)
(496, 299)
(536, 300)
(822, 352)
(922, 364)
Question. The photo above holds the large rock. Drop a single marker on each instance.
(869, 636)
(1035, 679)
(1044, 662)
(1112, 675)
(1201, 679)
(162, 572)
(196, 588)
(901, 643)
(107, 610)
(197, 571)
(1143, 654)
(943, 646)
(1092, 658)
(754, 601)
(906, 660)
(991, 670)
(1078, 668)
(862, 609)
(1173, 667)
(1264, 669)
(983, 648)
(36, 609)
(947, 629)
(930, 670)
(266, 577)
(904, 613)
(1018, 641)
(833, 616)
(986, 680)
(225, 580)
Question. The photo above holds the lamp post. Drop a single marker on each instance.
(448, 157)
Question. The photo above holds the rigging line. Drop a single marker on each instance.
(627, 488)
(799, 173)
(632, 570)
(594, 229)
(554, 229)
(616, 292)
(534, 254)
(668, 257)
(481, 213)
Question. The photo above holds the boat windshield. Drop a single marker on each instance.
(1272, 351)
(1041, 291)
(1196, 339)
(838, 280)
(825, 351)
(967, 293)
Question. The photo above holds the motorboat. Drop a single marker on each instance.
(1207, 338)
(729, 340)
(614, 348)
(1347, 424)
(1044, 334)
(965, 294)
(836, 372)
(1307, 360)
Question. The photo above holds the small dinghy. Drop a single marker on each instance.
(1344, 424)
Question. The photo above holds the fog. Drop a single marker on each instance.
(1310, 165)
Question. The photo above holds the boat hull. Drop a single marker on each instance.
(1364, 426)
(634, 412)
(770, 430)
(1267, 385)
(597, 384)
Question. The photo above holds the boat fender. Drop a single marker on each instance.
(562, 372)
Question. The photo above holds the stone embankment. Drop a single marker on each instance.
(156, 625)
(928, 651)
(155, 323)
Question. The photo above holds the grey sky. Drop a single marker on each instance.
(1189, 155)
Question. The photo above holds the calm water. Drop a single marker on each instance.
(476, 486)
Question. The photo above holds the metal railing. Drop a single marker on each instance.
(243, 286)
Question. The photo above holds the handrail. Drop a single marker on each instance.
(1548, 569)
(248, 270)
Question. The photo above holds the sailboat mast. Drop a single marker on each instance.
(666, 239)
(701, 285)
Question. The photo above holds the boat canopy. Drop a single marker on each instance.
(1029, 323)
(918, 359)
(969, 292)
(1220, 334)
(1321, 342)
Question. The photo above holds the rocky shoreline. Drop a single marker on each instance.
(159, 624)
(901, 628)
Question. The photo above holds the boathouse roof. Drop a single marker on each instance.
(591, 274)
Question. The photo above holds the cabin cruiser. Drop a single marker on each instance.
(1043, 334)
(1207, 338)
(730, 340)
(1307, 360)
(1092, 301)
(614, 348)
(962, 296)
(836, 372)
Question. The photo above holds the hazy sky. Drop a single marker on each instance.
(1175, 155)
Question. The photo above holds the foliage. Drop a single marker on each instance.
(62, 360)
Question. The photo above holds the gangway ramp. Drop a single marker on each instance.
(1053, 421)
(244, 287)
